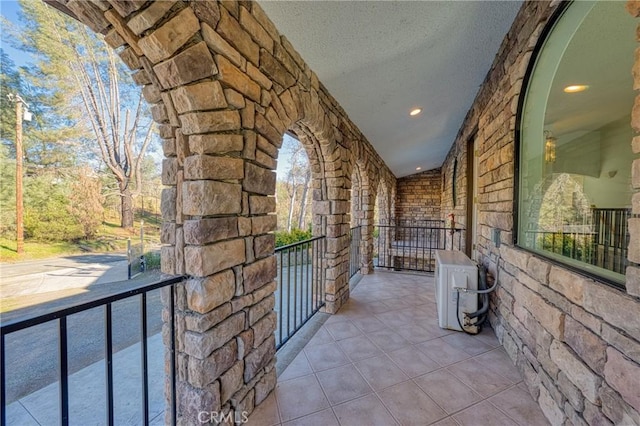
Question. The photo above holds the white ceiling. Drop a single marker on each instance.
(379, 59)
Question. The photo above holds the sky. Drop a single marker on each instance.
(284, 157)
(9, 10)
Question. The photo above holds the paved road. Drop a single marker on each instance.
(32, 354)
(56, 274)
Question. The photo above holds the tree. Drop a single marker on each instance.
(7, 193)
(305, 195)
(297, 181)
(11, 83)
(293, 185)
(85, 81)
(47, 202)
(85, 202)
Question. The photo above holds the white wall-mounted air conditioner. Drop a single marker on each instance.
(455, 270)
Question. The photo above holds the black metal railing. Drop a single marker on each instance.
(355, 238)
(300, 292)
(421, 223)
(401, 247)
(62, 315)
(604, 243)
(611, 240)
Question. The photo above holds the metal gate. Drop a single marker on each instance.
(411, 245)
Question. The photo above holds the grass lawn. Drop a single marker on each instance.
(110, 238)
(35, 250)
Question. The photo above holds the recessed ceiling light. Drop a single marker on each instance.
(418, 168)
(415, 111)
(575, 88)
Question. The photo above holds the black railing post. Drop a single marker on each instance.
(309, 287)
(172, 313)
(108, 341)
(64, 372)
(279, 287)
(288, 292)
(3, 388)
(144, 361)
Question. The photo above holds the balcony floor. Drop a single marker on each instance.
(383, 360)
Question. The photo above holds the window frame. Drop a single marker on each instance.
(549, 26)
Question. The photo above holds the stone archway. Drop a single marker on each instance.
(225, 86)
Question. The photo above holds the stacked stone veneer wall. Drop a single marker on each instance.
(224, 86)
(419, 196)
(575, 339)
(454, 191)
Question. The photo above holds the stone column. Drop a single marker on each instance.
(368, 210)
(218, 210)
(331, 207)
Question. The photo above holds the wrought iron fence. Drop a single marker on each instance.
(300, 292)
(61, 317)
(355, 236)
(611, 242)
(412, 247)
(422, 223)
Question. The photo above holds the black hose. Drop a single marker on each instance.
(483, 290)
(482, 285)
(458, 318)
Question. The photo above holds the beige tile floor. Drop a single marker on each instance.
(383, 360)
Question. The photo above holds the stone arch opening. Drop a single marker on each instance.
(317, 167)
(294, 185)
(303, 114)
(225, 86)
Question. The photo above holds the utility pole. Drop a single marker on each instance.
(19, 203)
(20, 115)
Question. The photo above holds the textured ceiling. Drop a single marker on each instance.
(379, 59)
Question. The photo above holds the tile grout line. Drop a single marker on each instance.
(29, 412)
(501, 410)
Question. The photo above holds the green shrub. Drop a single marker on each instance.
(152, 260)
(46, 210)
(284, 238)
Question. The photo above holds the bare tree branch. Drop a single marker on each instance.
(97, 79)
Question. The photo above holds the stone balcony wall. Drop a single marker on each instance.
(576, 340)
(224, 86)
